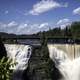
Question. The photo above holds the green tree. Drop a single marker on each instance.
(5, 71)
(67, 32)
(75, 29)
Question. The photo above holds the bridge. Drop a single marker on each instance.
(36, 41)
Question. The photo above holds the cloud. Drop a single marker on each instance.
(34, 28)
(76, 11)
(31, 28)
(6, 12)
(63, 22)
(43, 25)
(44, 6)
(12, 24)
(10, 27)
(23, 28)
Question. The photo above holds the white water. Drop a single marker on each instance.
(70, 69)
(20, 54)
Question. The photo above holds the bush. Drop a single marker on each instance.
(5, 71)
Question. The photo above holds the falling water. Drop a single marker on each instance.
(21, 55)
(67, 63)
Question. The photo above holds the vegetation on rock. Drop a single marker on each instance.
(5, 71)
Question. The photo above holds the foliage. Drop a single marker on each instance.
(75, 29)
(5, 71)
(70, 31)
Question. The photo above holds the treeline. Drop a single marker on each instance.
(70, 31)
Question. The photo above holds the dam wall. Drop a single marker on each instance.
(72, 50)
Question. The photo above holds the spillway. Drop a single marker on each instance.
(67, 59)
(21, 55)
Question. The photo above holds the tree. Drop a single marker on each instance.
(75, 29)
(5, 71)
(67, 32)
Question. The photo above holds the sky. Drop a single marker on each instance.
(32, 16)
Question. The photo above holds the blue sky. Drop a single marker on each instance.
(31, 16)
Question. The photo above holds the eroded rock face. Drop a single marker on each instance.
(41, 67)
(2, 50)
(35, 70)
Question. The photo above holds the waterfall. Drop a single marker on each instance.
(68, 66)
(21, 55)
